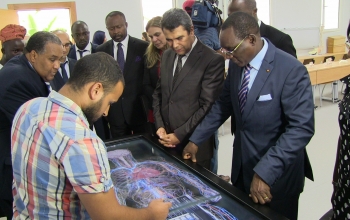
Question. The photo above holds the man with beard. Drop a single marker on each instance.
(81, 36)
(126, 116)
(21, 79)
(60, 166)
(82, 47)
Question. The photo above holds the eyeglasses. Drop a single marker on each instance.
(67, 45)
(230, 53)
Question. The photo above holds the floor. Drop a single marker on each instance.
(314, 202)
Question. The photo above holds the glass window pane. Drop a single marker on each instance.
(45, 20)
(331, 14)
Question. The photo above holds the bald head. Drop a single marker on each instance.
(64, 38)
(247, 6)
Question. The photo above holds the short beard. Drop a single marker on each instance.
(91, 112)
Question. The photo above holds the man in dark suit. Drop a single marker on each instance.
(81, 36)
(126, 116)
(191, 79)
(269, 95)
(21, 79)
(281, 40)
(67, 64)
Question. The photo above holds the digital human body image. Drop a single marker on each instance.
(136, 183)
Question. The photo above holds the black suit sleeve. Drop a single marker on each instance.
(147, 86)
(16, 95)
(286, 44)
(157, 104)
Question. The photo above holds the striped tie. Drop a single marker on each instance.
(243, 92)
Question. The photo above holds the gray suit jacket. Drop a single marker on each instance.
(180, 109)
(271, 135)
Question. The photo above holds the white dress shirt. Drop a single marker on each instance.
(124, 46)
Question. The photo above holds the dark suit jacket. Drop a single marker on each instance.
(180, 109)
(58, 82)
(18, 84)
(129, 108)
(73, 55)
(281, 40)
(150, 80)
(271, 135)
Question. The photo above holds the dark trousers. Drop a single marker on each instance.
(6, 208)
(286, 206)
(126, 129)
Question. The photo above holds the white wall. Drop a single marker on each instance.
(94, 12)
(284, 14)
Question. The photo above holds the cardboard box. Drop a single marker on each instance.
(335, 40)
(336, 49)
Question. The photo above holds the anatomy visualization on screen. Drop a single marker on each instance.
(139, 182)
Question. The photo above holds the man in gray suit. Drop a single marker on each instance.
(268, 93)
(190, 82)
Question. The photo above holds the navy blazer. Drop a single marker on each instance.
(129, 107)
(72, 52)
(271, 135)
(58, 82)
(19, 83)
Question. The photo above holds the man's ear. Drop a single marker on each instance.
(252, 39)
(33, 55)
(96, 91)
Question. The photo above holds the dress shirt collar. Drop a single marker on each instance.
(124, 42)
(87, 48)
(257, 60)
(193, 45)
(259, 23)
(68, 104)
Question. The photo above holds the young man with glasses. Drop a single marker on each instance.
(268, 94)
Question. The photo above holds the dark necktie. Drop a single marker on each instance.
(178, 68)
(64, 72)
(81, 53)
(120, 57)
(243, 92)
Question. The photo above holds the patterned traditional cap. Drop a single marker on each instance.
(12, 31)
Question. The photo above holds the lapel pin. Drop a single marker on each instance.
(267, 70)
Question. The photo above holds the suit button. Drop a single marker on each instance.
(171, 102)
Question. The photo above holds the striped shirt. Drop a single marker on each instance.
(55, 156)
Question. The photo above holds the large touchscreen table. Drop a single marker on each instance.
(141, 172)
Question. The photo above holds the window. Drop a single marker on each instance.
(45, 16)
(153, 8)
(330, 14)
(263, 10)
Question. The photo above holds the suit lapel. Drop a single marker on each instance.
(169, 69)
(190, 62)
(263, 74)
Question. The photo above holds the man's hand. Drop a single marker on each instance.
(161, 132)
(190, 151)
(169, 140)
(260, 191)
(159, 209)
